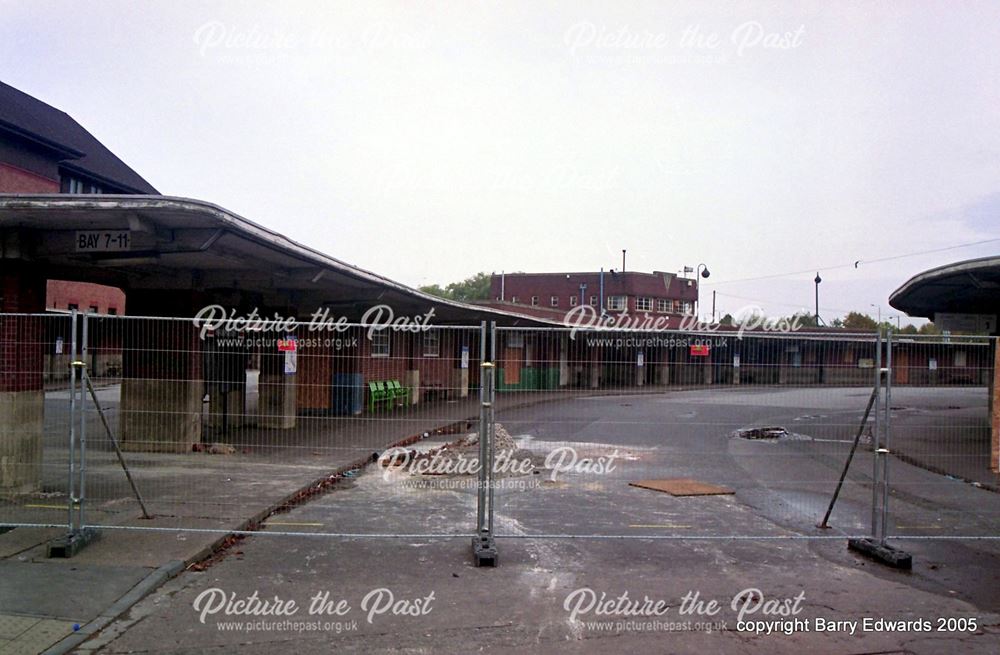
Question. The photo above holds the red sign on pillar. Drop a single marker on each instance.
(700, 350)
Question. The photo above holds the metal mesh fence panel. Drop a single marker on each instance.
(615, 433)
(35, 356)
(944, 481)
(221, 426)
(681, 435)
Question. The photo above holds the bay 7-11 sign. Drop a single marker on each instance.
(103, 241)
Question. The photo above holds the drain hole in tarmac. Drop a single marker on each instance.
(774, 432)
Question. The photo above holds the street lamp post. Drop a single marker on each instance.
(702, 270)
(817, 280)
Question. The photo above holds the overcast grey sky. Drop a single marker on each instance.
(429, 141)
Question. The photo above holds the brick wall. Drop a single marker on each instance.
(18, 180)
(60, 294)
(21, 338)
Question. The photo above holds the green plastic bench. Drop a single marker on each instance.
(377, 394)
(397, 390)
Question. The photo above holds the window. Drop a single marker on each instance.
(112, 311)
(593, 301)
(380, 343)
(616, 303)
(687, 307)
(534, 301)
(93, 309)
(643, 304)
(515, 340)
(572, 301)
(432, 343)
(76, 185)
(72, 306)
(554, 301)
(662, 305)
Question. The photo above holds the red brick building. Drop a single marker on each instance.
(43, 150)
(636, 293)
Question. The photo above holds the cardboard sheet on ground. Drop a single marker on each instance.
(682, 487)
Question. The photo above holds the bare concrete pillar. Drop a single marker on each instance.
(461, 384)
(278, 388)
(412, 381)
(22, 366)
(564, 372)
(663, 367)
(995, 410)
(595, 367)
(162, 374)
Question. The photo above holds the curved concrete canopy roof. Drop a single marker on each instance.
(969, 287)
(184, 244)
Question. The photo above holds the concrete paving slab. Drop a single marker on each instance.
(12, 626)
(40, 635)
(20, 540)
(74, 593)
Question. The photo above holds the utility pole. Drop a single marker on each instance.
(817, 281)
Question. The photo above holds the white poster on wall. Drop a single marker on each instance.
(289, 346)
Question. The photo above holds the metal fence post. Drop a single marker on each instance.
(78, 535)
(876, 434)
(876, 546)
(491, 426)
(484, 549)
(71, 480)
(82, 469)
(886, 431)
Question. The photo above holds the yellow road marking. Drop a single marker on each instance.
(293, 523)
(918, 527)
(657, 525)
(47, 506)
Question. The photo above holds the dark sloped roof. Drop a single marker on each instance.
(34, 120)
(968, 287)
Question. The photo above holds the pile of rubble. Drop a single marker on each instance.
(467, 448)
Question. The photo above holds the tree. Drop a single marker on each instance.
(859, 321)
(803, 318)
(928, 328)
(434, 290)
(476, 287)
